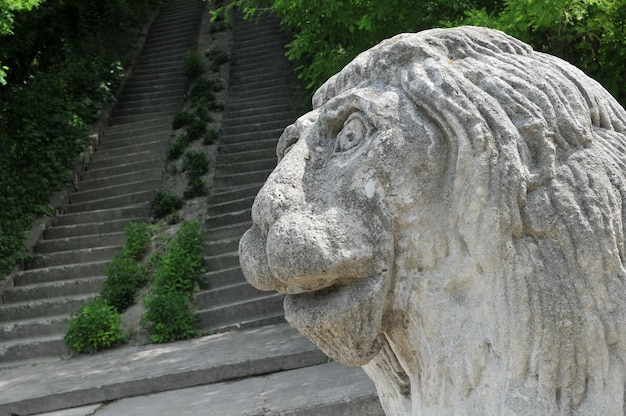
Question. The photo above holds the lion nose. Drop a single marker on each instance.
(283, 190)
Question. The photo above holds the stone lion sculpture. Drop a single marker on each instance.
(450, 216)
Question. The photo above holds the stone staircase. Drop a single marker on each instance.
(265, 369)
(115, 189)
(260, 104)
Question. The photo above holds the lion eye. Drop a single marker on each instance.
(354, 130)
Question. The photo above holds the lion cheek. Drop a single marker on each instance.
(345, 322)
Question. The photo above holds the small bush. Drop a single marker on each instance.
(137, 238)
(193, 65)
(94, 327)
(169, 317)
(180, 269)
(176, 149)
(124, 277)
(164, 204)
(195, 163)
(201, 91)
(210, 137)
(218, 56)
(203, 114)
(196, 129)
(196, 187)
(182, 119)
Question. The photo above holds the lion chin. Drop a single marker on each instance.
(451, 217)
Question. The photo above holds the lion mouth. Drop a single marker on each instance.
(342, 313)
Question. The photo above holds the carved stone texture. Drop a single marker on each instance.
(450, 216)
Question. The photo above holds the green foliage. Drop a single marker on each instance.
(95, 326)
(192, 64)
(137, 238)
(196, 164)
(169, 316)
(164, 204)
(182, 119)
(124, 277)
(218, 58)
(327, 34)
(196, 129)
(177, 148)
(60, 62)
(210, 136)
(590, 34)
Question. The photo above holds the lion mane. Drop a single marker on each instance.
(536, 177)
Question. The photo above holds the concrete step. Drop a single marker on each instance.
(225, 277)
(246, 166)
(241, 101)
(130, 106)
(273, 95)
(240, 79)
(122, 148)
(53, 289)
(142, 175)
(238, 179)
(28, 328)
(228, 231)
(145, 108)
(113, 202)
(92, 379)
(114, 190)
(117, 119)
(214, 248)
(117, 143)
(73, 223)
(228, 218)
(80, 242)
(239, 311)
(245, 126)
(223, 196)
(62, 272)
(130, 97)
(253, 120)
(226, 295)
(266, 111)
(274, 134)
(29, 348)
(333, 390)
(237, 152)
(82, 255)
(101, 227)
(222, 261)
(235, 205)
(140, 128)
(116, 161)
(43, 307)
(122, 169)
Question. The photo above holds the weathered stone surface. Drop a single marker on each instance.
(450, 216)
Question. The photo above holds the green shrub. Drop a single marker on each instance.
(201, 92)
(210, 136)
(195, 163)
(196, 129)
(203, 115)
(182, 119)
(180, 269)
(196, 187)
(124, 277)
(94, 327)
(192, 64)
(176, 149)
(164, 204)
(137, 239)
(169, 317)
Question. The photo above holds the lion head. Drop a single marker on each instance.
(450, 216)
